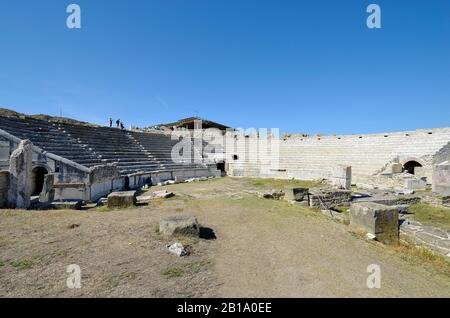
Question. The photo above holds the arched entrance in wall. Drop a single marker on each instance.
(410, 165)
(38, 175)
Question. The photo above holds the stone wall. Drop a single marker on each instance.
(315, 157)
(328, 198)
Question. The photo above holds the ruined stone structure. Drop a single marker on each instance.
(89, 161)
(20, 176)
(318, 157)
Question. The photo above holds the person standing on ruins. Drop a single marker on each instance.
(110, 122)
(121, 126)
(118, 123)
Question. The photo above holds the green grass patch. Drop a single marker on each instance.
(431, 215)
(103, 209)
(21, 265)
(342, 209)
(282, 183)
(173, 272)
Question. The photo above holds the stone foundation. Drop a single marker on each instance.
(341, 177)
(328, 198)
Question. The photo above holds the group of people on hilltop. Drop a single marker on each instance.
(119, 124)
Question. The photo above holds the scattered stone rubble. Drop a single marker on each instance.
(180, 179)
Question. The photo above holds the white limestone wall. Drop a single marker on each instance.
(315, 157)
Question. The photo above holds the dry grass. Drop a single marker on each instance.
(420, 255)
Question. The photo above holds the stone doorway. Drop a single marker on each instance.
(38, 176)
(410, 165)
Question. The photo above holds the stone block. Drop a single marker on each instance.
(180, 179)
(396, 168)
(341, 177)
(377, 219)
(179, 226)
(296, 194)
(67, 205)
(48, 193)
(415, 184)
(20, 164)
(122, 199)
(441, 178)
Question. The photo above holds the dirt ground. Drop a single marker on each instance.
(252, 247)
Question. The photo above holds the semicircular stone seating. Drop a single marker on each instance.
(90, 146)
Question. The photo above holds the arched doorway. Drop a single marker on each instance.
(38, 179)
(410, 165)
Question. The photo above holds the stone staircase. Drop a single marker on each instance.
(89, 146)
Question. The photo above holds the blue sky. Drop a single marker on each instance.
(301, 66)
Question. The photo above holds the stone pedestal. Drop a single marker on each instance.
(341, 177)
(122, 199)
(377, 219)
(20, 176)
